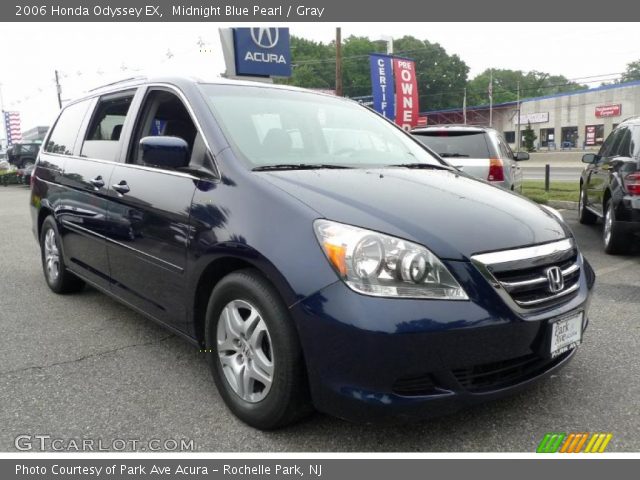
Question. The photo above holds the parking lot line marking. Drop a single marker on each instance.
(616, 267)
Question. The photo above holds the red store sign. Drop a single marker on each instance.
(608, 111)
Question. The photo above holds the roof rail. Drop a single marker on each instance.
(632, 117)
(140, 77)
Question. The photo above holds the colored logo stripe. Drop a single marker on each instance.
(574, 442)
(598, 443)
(550, 443)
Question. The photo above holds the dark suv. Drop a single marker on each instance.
(23, 154)
(610, 187)
(367, 278)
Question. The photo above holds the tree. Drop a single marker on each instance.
(505, 85)
(632, 72)
(313, 64)
(441, 77)
(529, 138)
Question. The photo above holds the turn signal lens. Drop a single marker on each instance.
(337, 255)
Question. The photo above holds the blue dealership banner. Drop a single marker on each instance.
(262, 52)
(382, 85)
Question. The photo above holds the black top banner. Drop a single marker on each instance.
(316, 11)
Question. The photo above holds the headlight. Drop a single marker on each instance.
(375, 264)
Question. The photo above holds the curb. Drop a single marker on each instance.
(565, 204)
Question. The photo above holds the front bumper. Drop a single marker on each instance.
(372, 359)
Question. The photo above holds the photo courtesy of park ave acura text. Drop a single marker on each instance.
(236, 227)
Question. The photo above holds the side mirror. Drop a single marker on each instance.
(520, 156)
(165, 152)
(589, 158)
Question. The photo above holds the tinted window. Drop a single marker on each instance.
(609, 143)
(623, 147)
(451, 144)
(103, 136)
(273, 126)
(64, 134)
(635, 141)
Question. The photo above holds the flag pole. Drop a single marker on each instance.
(3, 124)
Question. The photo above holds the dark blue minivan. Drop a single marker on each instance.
(319, 255)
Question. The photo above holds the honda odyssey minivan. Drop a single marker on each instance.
(319, 256)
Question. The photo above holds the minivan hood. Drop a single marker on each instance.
(453, 215)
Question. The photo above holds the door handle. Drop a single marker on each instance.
(121, 187)
(97, 182)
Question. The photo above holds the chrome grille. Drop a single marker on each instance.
(533, 277)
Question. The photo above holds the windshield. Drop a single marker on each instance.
(28, 148)
(271, 126)
(456, 144)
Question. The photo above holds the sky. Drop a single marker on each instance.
(88, 55)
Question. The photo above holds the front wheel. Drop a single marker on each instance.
(615, 242)
(585, 216)
(254, 352)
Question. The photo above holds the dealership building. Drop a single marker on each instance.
(578, 119)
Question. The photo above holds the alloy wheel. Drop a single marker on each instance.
(608, 225)
(245, 351)
(51, 256)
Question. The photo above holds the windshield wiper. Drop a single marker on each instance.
(297, 166)
(452, 155)
(426, 166)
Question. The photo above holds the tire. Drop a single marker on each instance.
(585, 216)
(26, 161)
(249, 329)
(614, 240)
(59, 279)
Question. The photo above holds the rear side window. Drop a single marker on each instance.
(609, 144)
(452, 144)
(624, 146)
(65, 131)
(635, 141)
(103, 135)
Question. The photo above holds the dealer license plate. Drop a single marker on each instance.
(566, 334)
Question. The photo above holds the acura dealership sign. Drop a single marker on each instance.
(262, 52)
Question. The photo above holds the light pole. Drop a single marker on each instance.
(339, 90)
(3, 129)
(389, 41)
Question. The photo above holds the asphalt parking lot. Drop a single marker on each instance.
(84, 366)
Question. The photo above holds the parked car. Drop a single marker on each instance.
(23, 154)
(24, 174)
(479, 151)
(369, 281)
(610, 188)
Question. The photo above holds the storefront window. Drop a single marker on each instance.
(594, 135)
(547, 136)
(569, 137)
